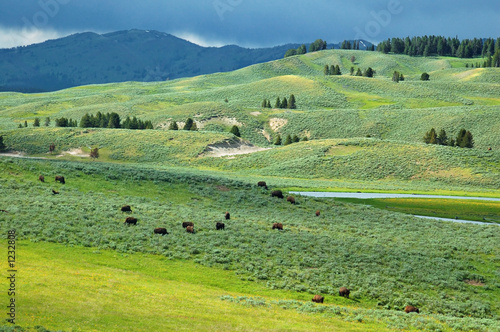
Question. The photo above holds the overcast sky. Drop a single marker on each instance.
(250, 23)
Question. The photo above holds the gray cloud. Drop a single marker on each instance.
(257, 22)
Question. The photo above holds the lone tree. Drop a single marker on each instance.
(424, 77)
(2, 145)
(173, 126)
(94, 153)
(235, 131)
(36, 123)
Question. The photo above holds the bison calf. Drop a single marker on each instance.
(130, 221)
(318, 299)
(41, 178)
(190, 229)
(219, 226)
(410, 308)
(126, 208)
(187, 223)
(55, 192)
(278, 225)
(60, 179)
(290, 199)
(277, 193)
(227, 216)
(160, 230)
(262, 184)
(344, 292)
(317, 213)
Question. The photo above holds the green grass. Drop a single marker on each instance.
(485, 211)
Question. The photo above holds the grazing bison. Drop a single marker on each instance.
(278, 225)
(317, 213)
(126, 208)
(277, 193)
(130, 221)
(489, 149)
(262, 184)
(55, 192)
(410, 308)
(290, 199)
(161, 231)
(60, 179)
(344, 292)
(318, 299)
(41, 178)
(190, 229)
(187, 223)
(219, 226)
(227, 216)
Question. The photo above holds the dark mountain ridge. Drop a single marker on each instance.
(132, 55)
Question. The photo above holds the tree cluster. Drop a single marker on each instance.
(112, 120)
(188, 125)
(288, 140)
(300, 50)
(354, 45)
(464, 138)
(65, 122)
(289, 103)
(397, 76)
(332, 70)
(318, 45)
(439, 45)
(369, 72)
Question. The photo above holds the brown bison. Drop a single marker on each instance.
(410, 308)
(277, 193)
(290, 199)
(262, 184)
(60, 179)
(55, 192)
(318, 299)
(219, 226)
(227, 216)
(190, 229)
(187, 223)
(126, 208)
(41, 178)
(130, 221)
(489, 149)
(160, 230)
(344, 292)
(317, 213)
(278, 225)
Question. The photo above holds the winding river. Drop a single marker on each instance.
(321, 194)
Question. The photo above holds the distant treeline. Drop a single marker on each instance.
(438, 45)
(108, 120)
(318, 45)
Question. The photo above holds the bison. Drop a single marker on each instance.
(187, 223)
(160, 230)
(227, 216)
(318, 299)
(60, 179)
(126, 208)
(410, 308)
(41, 178)
(55, 192)
(290, 199)
(344, 292)
(317, 213)
(262, 184)
(190, 229)
(130, 221)
(278, 225)
(277, 193)
(219, 226)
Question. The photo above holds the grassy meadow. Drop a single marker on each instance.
(364, 134)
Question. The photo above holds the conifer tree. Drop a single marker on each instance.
(442, 137)
(284, 103)
(2, 144)
(352, 71)
(173, 126)
(189, 124)
(288, 140)
(359, 73)
(36, 122)
(295, 139)
(326, 70)
(278, 140)
(278, 103)
(424, 77)
(291, 102)
(235, 131)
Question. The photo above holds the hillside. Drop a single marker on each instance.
(134, 55)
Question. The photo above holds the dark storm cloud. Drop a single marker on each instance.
(257, 22)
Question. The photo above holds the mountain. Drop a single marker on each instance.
(132, 55)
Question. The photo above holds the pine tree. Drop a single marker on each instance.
(396, 76)
(25, 124)
(460, 141)
(269, 104)
(352, 71)
(326, 70)
(442, 137)
(264, 103)
(291, 102)
(295, 139)
(278, 103)
(85, 121)
(94, 153)
(359, 73)
(332, 70)
(401, 77)
(194, 127)
(47, 121)
(173, 126)
(189, 124)
(288, 140)
(284, 103)
(304, 139)
(424, 77)
(114, 120)
(278, 140)
(337, 70)
(431, 137)
(2, 144)
(235, 131)
(369, 72)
